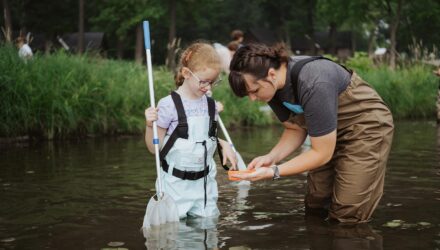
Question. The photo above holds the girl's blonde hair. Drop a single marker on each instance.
(197, 56)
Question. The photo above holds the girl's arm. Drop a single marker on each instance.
(149, 137)
(228, 153)
(150, 116)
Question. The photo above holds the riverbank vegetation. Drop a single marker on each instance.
(61, 95)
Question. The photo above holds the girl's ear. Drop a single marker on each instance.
(185, 72)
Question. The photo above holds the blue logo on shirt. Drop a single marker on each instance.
(297, 109)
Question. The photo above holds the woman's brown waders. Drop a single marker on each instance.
(351, 184)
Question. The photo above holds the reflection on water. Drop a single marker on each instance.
(190, 233)
(92, 194)
(322, 235)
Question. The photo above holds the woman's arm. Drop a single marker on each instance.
(320, 153)
(293, 136)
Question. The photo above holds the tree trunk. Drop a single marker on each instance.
(332, 39)
(8, 23)
(138, 49)
(371, 42)
(81, 27)
(353, 40)
(311, 27)
(171, 61)
(393, 33)
(119, 48)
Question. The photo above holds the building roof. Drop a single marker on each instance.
(92, 40)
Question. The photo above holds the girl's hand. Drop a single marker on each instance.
(228, 154)
(220, 106)
(261, 161)
(259, 174)
(151, 116)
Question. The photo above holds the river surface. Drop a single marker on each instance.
(92, 194)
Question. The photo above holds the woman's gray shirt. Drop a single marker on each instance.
(319, 82)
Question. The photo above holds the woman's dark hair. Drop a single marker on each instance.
(256, 60)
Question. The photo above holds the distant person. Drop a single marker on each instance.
(237, 36)
(437, 73)
(233, 46)
(186, 125)
(225, 56)
(349, 125)
(24, 50)
(226, 53)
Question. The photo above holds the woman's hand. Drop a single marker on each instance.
(151, 116)
(228, 154)
(259, 174)
(261, 161)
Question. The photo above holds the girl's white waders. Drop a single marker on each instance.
(185, 178)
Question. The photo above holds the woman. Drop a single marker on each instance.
(349, 125)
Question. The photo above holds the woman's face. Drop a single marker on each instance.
(259, 90)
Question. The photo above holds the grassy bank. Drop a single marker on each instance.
(409, 91)
(60, 95)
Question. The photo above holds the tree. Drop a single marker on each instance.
(419, 23)
(172, 41)
(122, 17)
(311, 6)
(394, 17)
(8, 23)
(45, 17)
(81, 27)
(334, 13)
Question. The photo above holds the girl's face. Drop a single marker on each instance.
(260, 90)
(201, 81)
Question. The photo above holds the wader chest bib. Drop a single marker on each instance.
(351, 184)
(188, 167)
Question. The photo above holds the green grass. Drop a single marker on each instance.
(410, 92)
(61, 95)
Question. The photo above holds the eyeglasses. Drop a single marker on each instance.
(205, 83)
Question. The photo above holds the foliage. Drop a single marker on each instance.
(120, 17)
(214, 20)
(61, 95)
(410, 92)
(360, 61)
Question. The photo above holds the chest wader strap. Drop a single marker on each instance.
(213, 129)
(294, 74)
(181, 131)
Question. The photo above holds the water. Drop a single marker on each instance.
(91, 194)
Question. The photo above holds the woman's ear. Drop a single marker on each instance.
(272, 75)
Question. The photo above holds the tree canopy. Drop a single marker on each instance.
(213, 20)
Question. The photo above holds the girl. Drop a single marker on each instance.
(350, 127)
(187, 126)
